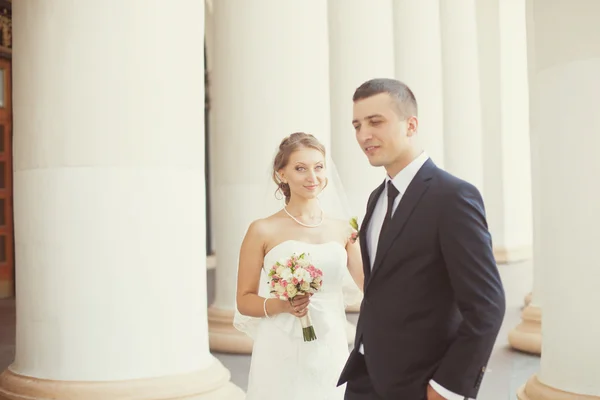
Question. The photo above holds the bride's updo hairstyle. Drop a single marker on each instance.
(289, 145)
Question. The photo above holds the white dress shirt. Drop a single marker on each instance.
(401, 182)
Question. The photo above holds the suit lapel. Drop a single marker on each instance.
(364, 245)
(408, 202)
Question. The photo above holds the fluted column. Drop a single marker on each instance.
(505, 109)
(463, 146)
(109, 204)
(348, 69)
(270, 79)
(418, 63)
(565, 170)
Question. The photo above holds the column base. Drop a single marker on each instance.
(536, 390)
(353, 308)
(212, 383)
(211, 262)
(527, 336)
(506, 255)
(6, 289)
(528, 298)
(223, 337)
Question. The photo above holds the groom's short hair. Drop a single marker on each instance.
(404, 99)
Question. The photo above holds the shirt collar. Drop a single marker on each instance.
(404, 177)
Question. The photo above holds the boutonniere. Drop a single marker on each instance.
(354, 225)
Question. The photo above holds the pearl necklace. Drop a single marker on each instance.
(301, 223)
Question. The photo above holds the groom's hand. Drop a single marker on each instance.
(433, 395)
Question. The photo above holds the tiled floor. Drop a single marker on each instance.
(507, 369)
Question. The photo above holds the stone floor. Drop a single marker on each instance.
(507, 370)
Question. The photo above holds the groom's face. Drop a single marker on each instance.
(380, 132)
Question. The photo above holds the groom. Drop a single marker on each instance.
(433, 299)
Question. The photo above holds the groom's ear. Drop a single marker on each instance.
(412, 126)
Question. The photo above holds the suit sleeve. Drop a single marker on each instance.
(466, 246)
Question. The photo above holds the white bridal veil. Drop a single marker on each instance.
(334, 203)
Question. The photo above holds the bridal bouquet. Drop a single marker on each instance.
(296, 276)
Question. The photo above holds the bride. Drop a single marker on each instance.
(283, 364)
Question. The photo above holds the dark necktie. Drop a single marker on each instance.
(392, 193)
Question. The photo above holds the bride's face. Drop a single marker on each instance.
(305, 173)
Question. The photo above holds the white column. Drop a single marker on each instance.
(209, 34)
(505, 109)
(350, 66)
(527, 335)
(531, 74)
(463, 151)
(109, 204)
(527, 299)
(270, 79)
(565, 171)
(418, 51)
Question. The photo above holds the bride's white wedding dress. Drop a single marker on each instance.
(283, 365)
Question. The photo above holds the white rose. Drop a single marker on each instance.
(283, 261)
(291, 290)
(302, 275)
(303, 263)
(305, 286)
(286, 274)
(280, 290)
(280, 270)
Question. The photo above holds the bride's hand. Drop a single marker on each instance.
(299, 305)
